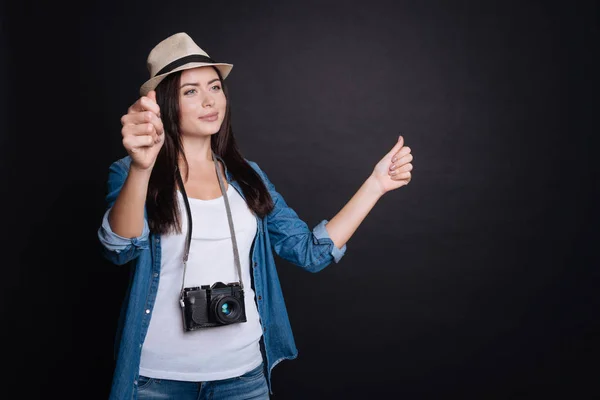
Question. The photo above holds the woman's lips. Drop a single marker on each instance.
(210, 117)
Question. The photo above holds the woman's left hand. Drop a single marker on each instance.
(394, 170)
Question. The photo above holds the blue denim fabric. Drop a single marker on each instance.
(282, 231)
(250, 386)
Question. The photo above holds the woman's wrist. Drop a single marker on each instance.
(373, 187)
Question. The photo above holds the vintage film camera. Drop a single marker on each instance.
(209, 306)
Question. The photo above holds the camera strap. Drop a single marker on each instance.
(236, 256)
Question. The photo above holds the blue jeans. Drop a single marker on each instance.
(251, 385)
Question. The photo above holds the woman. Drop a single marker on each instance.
(216, 325)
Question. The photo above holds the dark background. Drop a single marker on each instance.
(478, 280)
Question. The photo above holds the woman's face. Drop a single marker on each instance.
(201, 102)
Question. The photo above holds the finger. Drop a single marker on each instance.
(396, 147)
(142, 118)
(401, 160)
(136, 142)
(158, 124)
(401, 168)
(401, 153)
(403, 176)
(136, 118)
(139, 130)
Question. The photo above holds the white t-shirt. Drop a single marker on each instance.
(207, 353)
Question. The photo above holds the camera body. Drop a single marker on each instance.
(209, 306)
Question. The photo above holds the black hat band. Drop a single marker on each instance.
(184, 60)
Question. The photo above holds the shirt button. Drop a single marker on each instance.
(255, 264)
(260, 297)
(147, 311)
(157, 240)
(135, 382)
(155, 274)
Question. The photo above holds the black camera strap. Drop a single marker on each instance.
(236, 256)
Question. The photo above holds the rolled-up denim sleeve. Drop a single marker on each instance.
(118, 249)
(320, 232)
(292, 239)
(118, 244)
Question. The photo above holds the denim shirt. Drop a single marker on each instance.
(281, 231)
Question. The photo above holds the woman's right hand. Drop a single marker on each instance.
(143, 132)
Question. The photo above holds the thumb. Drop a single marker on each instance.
(152, 94)
(397, 146)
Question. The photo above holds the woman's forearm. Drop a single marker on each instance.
(346, 221)
(126, 217)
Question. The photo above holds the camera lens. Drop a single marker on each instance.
(226, 309)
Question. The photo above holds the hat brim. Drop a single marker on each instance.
(153, 82)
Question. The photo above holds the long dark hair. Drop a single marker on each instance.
(164, 215)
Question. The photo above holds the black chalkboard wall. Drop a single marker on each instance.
(476, 281)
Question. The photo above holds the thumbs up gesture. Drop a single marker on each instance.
(143, 131)
(394, 169)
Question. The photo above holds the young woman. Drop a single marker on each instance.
(204, 315)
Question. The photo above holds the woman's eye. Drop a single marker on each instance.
(216, 88)
(187, 92)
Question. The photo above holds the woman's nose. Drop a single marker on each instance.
(208, 101)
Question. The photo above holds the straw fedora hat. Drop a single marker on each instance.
(176, 53)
